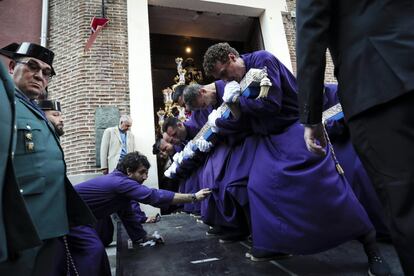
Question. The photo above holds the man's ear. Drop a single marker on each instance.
(232, 56)
(12, 65)
(202, 91)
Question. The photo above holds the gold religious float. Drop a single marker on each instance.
(187, 73)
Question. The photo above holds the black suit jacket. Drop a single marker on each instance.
(371, 42)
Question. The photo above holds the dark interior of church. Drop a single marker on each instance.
(173, 34)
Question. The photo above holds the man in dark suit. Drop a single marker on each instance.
(39, 166)
(371, 43)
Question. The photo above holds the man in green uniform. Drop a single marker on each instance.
(13, 213)
(39, 164)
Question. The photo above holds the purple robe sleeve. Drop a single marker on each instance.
(141, 193)
(191, 127)
(337, 129)
(271, 114)
(141, 216)
(330, 96)
(177, 148)
(132, 223)
(196, 122)
(272, 103)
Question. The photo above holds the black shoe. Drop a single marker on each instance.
(214, 231)
(377, 265)
(233, 237)
(262, 255)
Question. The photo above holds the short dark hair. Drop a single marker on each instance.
(217, 52)
(170, 122)
(132, 161)
(178, 91)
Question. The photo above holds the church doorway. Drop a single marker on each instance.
(186, 34)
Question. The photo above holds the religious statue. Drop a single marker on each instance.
(187, 73)
(193, 75)
(180, 78)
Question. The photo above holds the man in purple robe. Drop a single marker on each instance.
(179, 133)
(226, 169)
(299, 204)
(227, 209)
(112, 193)
(200, 97)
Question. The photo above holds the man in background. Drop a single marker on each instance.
(53, 112)
(116, 143)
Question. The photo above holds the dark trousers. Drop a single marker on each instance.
(384, 140)
(38, 261)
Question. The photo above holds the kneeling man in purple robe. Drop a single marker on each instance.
(110, 194)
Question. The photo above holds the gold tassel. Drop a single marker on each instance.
(265, 85)
(339, 169)
(337, 165)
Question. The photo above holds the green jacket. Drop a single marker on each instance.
(17, 231)
(40, 169)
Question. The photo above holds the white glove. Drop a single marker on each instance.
(171, 170)
(203, 145)
(188, 151)
(231, 92)
(176, 156)
(212, 117)
(167, 173)
(180, 157)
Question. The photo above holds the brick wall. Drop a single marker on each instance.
(290, 28)
(87, 81)
(13, 28)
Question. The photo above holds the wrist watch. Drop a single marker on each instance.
(193, 197)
